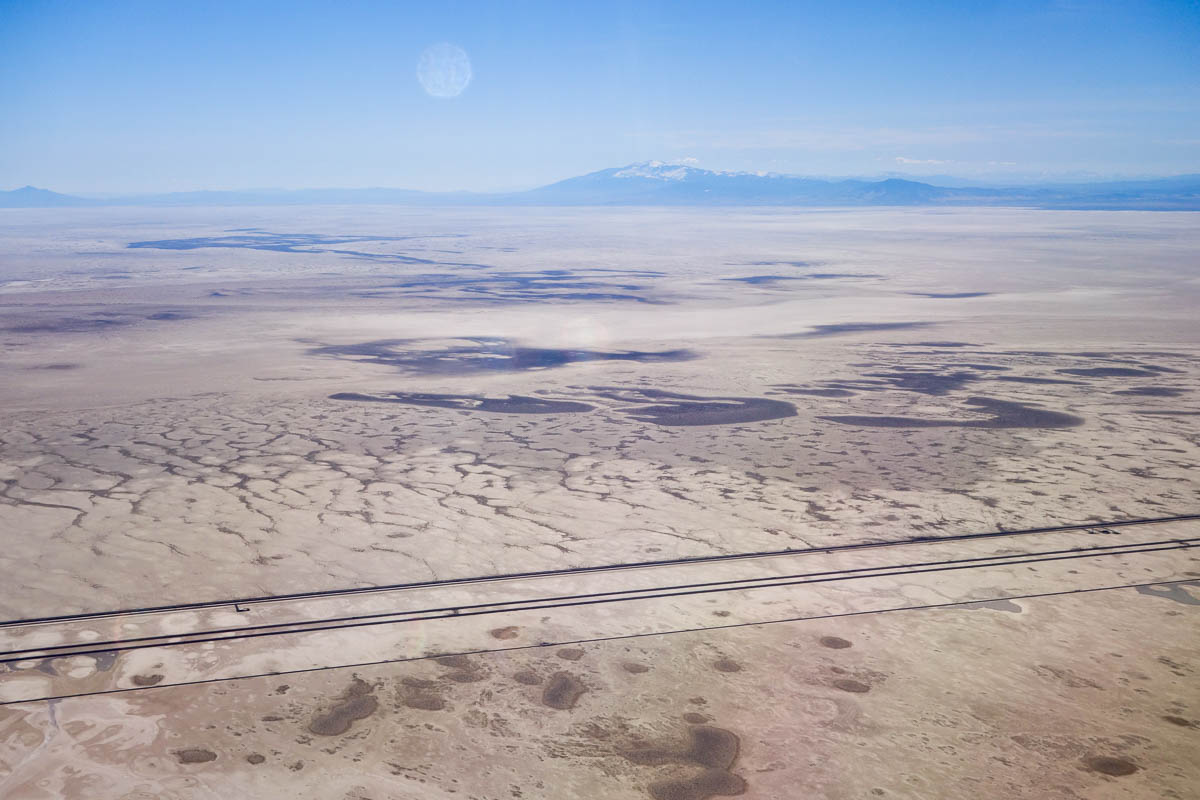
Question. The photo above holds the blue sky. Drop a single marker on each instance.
(100, 96)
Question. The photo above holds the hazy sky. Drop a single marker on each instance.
(153, 96)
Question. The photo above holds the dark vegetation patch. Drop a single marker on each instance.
(634, 667)
(1152, 391)
(256, 758)
(922, 382)
(302, 243)
(424, 702)
(757, 280)
(466, 676)
(57, 366)
(1110, 765)
(671, 409)
(853, 327)
(851, 685)
(1181, 721)
(507, 632)
(356, 703)
(70, 325)
(815, 392)
(195, 755)
(799, 264)
(713, 749)
(482, 355)
(1109, 372)
(508, 287)
(570, 654)
(455, 661)
(93, 322)
(1018, 379)
(528, 678)
(929, 344)
(563, 691)
(709, 783)
(1177, 413)
(146, 680)
(513, 404)
(1006, 414)
(949, 295)
(835, 642)
(727, 665)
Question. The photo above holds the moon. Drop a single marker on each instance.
(444, 70)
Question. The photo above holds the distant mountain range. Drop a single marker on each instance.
(661, 184)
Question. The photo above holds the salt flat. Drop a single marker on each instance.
(201, 405)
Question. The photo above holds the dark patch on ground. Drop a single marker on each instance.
(1109, 372)
(256, 758)
(1006, 415)
(929, 344)
(528, 677)
(570, 654)
(713, 749)
(931, 383)
(356, 703)
(759, 280)
(94, 322)
(508, 287)
(852, 327)
(62, 366)
(992, 605)
(69, 325)
(1110, 765)
(1181, 722)
(692, 718)
(482, 355)
(195, 755)
(424, 702)
(466, 676)
(1017, 379)
(949, 295)
(1174, 592)
(851, 685)
(800, 264)
(563, 691)
(508, 632)
(146, 680)
(1170, 413)
(634, 667)
(456, 662)
(816, 392)
(708, 783)
(727, 665)
(835, 642)
(671, 409)
(1152, 391)
(513, 404)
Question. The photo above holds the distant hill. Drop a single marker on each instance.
(655, 183)
(32, 197)
(661, 184)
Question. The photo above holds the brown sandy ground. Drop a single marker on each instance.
(1088, 696)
